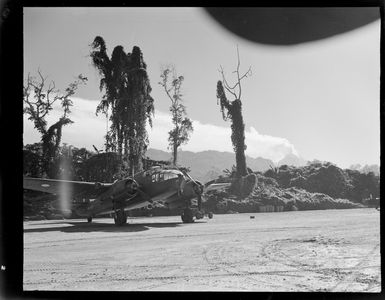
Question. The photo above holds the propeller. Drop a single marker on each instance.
(65, 198)
(198, 188)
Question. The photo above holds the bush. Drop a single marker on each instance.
(328, 179)
(267, 192)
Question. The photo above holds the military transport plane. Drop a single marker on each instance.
(171, 186)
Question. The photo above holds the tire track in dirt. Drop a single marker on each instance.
(282, 258)
(373, 285)
(126, 278)
(337, 273)
(279, 256)
(232, 253)
(218, 257)
(351, 277)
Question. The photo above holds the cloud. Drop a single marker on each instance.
(89, 129)
(212, 137)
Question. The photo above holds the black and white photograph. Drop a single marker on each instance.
(201, 149)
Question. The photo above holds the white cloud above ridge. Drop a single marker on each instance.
(212, 137)
(89, 129)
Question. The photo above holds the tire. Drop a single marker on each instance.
(210, 214)
(187, 216)
(120, 217)
(89, 219)
(199, 215)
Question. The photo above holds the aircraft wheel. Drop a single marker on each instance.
(89, 219)
(210, 214)
(120, 217)
(187, 216)
(199, 215)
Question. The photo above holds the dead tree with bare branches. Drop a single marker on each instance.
(39, 97)
(233, 110)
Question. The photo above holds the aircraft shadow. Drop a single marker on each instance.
(100, 227)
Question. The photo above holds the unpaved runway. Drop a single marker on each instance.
(330, 250)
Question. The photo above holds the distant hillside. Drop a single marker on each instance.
(366, 169)
(208, 165)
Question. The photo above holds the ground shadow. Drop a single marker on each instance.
(99, 227)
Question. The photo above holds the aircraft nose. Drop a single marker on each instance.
(191, 189)
(188, 189)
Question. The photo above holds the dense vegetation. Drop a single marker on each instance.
(318, 185)
(39, 98)
(269, 196)
(327, 178)
(182, 125)
(76, 164)
(126, 85)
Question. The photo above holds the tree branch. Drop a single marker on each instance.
(226, 85)
(231, 89)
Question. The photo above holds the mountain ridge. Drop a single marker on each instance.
(209, 164)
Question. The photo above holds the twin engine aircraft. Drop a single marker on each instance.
(171, 186)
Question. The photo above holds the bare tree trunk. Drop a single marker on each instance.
(175, 153)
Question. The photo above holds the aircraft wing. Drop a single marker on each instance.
(54, 186)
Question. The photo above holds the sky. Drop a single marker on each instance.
(319, 100)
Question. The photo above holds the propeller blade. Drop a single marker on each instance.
(65, 198)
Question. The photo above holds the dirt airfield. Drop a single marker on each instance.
(323, 250)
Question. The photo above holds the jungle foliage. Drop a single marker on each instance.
(39, 97)
(127, 97)
(183, 128)
(315, 186)
(327, 178)
(69, 161)
(81, 164)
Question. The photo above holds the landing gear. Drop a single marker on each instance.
(210, 215)
(187, 216)
(199, 215)
(120, 217)
(89, 219)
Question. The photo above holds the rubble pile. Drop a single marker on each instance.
(268, 196)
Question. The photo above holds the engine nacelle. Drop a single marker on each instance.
(124, 189)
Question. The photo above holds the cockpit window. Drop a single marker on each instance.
(164, 175)
(153, 177)
(168, 176)
(156, 177)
